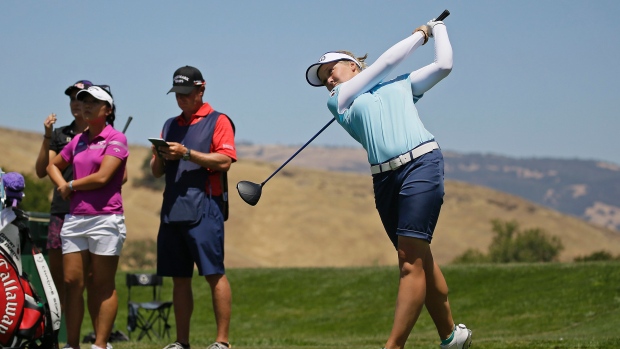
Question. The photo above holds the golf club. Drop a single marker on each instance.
(443, 15)
(127, 123)
(250, 192)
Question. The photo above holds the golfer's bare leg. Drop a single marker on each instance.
(221, 296)
(412, 256)
(75, 266)
(93, 308)
(104, 299)
(183, 300)
(437, 301)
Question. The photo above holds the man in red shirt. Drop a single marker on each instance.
(201, 149)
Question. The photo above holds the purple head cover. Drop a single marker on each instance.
(14, 185)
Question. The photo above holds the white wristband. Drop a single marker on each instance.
(71, 185)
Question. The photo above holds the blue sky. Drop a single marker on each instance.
(530, 78)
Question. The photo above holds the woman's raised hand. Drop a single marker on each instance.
(49, 124)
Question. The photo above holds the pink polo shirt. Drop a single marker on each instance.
(86, 158)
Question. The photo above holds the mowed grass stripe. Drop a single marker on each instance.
(573, 305)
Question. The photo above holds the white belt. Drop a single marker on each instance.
(404, 158)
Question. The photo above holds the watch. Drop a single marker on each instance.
(187, 154)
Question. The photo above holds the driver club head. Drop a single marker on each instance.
(249, 192)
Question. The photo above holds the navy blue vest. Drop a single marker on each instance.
(184, 196)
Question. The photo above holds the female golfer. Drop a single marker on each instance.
(406, 165)
(94, 230)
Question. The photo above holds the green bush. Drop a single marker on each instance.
(597, 256)
(511, 245)
(471, 256)
(533, 245)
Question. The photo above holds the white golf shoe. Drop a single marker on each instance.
(461, 339)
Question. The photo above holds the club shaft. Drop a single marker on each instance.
(297, 152)
(127, 123)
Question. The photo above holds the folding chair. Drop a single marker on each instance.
(150, 317)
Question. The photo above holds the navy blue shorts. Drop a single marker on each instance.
(409, 198)
(179, 247)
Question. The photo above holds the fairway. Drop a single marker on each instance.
(573, 305)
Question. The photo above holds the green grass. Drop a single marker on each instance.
(574, 305)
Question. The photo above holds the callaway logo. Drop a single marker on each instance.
(116, 150)
(322, 58)
(179, 79)
(12, 299)
(79, 85)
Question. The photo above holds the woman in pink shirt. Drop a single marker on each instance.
(94, 230)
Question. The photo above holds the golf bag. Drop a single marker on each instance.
(26, 319)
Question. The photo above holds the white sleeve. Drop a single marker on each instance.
(426, 77)
(379, 70)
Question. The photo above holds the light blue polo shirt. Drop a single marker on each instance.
(383, 120)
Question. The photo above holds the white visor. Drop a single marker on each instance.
(97, 92)
(312, 73)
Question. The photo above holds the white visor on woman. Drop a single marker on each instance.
(312, 73)
(97, 92)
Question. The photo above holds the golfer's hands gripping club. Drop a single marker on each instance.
(432, 23)
(427, 29)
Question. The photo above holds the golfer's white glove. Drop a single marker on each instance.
(432, 23)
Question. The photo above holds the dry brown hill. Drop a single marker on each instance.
(317, 218)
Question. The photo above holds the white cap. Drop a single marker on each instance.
(97, 92)
(312, 73)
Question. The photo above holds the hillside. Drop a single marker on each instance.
(317, 218)
(583, 188)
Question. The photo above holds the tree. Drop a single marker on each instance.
(502, 249)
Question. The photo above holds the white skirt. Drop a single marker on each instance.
(102, 235)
